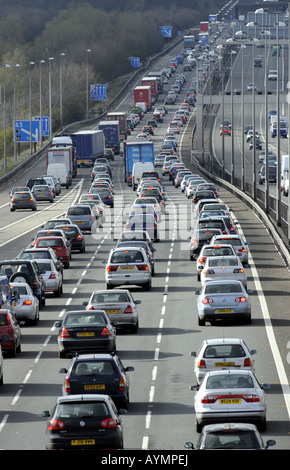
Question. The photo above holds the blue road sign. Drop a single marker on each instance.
(135, 61)
(98, 92)
(166, 31)
(45, 125)
(22, 131)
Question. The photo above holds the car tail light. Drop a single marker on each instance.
(64, 333)
(248, 362)
(67, 384)
(122, 383)
(105, 332)
(202, 259)
(251, 398)
(35, 284)
(129, 309)
(242, 250)
(201, 364)
(207, 300)
(92, 217)
(209, 399)
(108, 423)
(241, 299)
(142, 267)
(209, 271)
(52, 276)
(92, 307)
(238, 270)
(27, 302)
(79, 238)
(55, 425)
(194, 242)
(112, 268)
(224, 231)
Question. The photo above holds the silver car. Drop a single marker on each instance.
(223, 300)
(212, 250)
(230, 396)
(26, 307)
(82, 215)
(118, 304)
(53, 277)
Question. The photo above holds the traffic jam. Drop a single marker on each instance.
(230, 405)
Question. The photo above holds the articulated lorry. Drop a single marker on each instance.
(90, 145)
(111, 130)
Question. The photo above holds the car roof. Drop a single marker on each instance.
(81, 397)
(211, 341)
(229, 372)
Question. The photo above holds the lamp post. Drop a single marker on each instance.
(30, 111)
(232, 125)
(5, 66)
(40, 102)
(50, 59)
(243, 124)
(87, 83)
(62, 54)
(220, 47)
(14, 105)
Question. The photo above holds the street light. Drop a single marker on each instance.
(14, 102)
(62, 54)
(242, 46)
(49, 91)
(30, 112)
(87, 83)
(40, 102)
(5, 66)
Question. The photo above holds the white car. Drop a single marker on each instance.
(210, 251)
(237, 242)
(128, 266)
(26, 308)
(53, 277)
(223, 267)
(230, 396)
(222, 354)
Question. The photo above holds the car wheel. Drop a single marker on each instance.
(201, 322)
(57, 292)
(1, 380)
(35, 319)
(109, 286)
(147, 286)
(62, 354)
(20, 277)
(198, 427)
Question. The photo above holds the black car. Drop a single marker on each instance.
(98, 373)
(203, 194)
(84, 422)
(272, 174)
(33, 181)
(75, 237)
(26, 271)
(85, 331)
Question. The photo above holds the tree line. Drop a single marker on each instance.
(112, 31)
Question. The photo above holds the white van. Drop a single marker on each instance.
(138, 169)
(59, 170)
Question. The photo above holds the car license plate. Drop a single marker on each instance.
(88, 333)
(230, 401)
(112, 311)
(95, 387)
(224, 310)
(82, 442)
(79, 222)
(224, 364)
(126, 268)
(40, 194)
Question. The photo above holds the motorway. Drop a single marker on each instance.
(160, 415)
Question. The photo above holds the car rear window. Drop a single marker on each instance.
(79, 211)
(110, 297)
(212, 224)
(223, 289)
(97, 367)
(127, 256)
(224, 350)
(77, 409)
(86, 319)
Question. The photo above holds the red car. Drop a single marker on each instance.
(59, 246)
(226, 129)
(10, 333)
